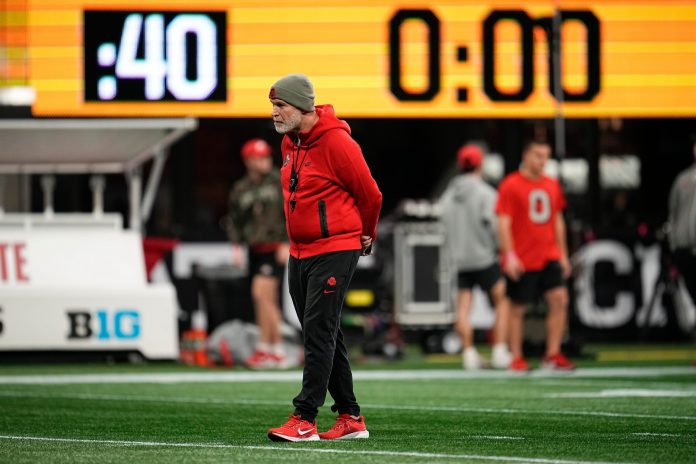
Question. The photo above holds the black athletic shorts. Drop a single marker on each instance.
(485, 278)
(265, 264)
(532, 285)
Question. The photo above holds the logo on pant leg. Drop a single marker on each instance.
(330, 285)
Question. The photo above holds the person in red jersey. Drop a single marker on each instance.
(332, 205)
(532, 235)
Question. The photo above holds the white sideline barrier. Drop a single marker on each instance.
(82, 289)
(91, 319)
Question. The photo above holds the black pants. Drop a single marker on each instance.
(317, 287)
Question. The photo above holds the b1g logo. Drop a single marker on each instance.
(122, 324)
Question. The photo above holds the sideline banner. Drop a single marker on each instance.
(91, 319)
(82, 289)
(370, 58)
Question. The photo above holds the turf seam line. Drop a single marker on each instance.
(395, 407)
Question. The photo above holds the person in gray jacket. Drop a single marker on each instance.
(682, 219)
(468, 214)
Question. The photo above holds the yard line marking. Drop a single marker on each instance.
(169, 377)
(528, 411)
(625, 393)
(282, 448)
(396, 407)
(153, 399)
(616, 383)
(651, 434)
(496, 437)
(295, 376)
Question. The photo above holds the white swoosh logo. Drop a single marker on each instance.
(304, 432)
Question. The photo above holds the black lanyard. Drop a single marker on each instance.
(295, 174)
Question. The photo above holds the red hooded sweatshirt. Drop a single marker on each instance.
(336, 200)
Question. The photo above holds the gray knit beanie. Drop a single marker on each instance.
(295, 89)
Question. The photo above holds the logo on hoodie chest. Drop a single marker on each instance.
(287, 159)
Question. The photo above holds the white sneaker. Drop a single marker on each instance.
(471, 359)
(501, 357)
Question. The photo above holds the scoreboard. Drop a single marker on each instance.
(154, 56)
(370, 58)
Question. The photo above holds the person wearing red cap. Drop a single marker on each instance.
(255, 218)
(468, 214)
(332, 205)
(534, 251)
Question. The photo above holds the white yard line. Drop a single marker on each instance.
(284, 449)
(551, 412)
(616, 383)
(396, 407)
(145, 399)
(625, 393)
(362, 375)
(494, 437)
(651, 434)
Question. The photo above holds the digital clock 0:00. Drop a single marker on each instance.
(527, 26)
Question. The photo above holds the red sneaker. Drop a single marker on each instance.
(265, 360)
(295, 429)
(558, 362)
(256, 360)
(519, 365)
(279, 361)
(346, 427)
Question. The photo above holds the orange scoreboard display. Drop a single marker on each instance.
(370, 58)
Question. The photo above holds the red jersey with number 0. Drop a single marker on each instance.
(532, 206)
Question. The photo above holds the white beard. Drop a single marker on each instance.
(291, 124)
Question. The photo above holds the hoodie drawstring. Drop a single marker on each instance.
(295, 173)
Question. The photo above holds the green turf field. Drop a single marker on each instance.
(171, 413)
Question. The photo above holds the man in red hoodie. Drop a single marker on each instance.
(332, 205)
